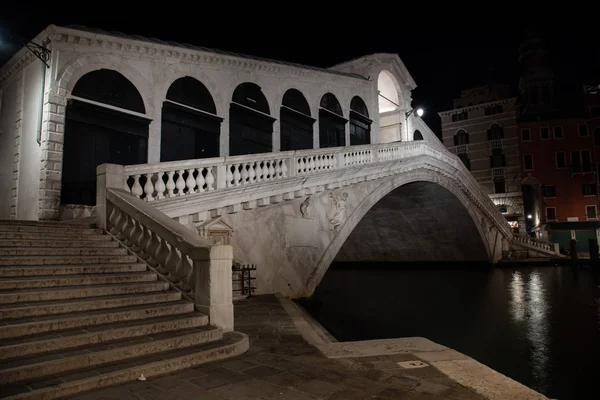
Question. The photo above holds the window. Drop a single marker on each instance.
(550, 213)
(596, 136)
(590, 189)
(590, 212)
(586, 160)
(497, 159)
(525, 135)
(595, 111)
(499, 185)
(491, 110)
(503, 208)
(460, 116)
(544, 133)
(583, 130)
(461, 137)
(495, 132)
(528, 162)
(560, 160)
(549, 191)
(558, 132)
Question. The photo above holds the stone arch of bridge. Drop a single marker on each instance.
(491, 239)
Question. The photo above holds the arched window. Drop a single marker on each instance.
(296, 124)
(360, 124)
(461, 137)
(417, 135)
(250, 125)
(332, 125)
(190, 126)
(96, 134)
(495, 132)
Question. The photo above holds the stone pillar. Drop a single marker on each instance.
(154, 138)
(107, 176)
(213, 287)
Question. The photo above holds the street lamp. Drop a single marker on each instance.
(419, 112)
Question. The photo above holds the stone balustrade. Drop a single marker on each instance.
(535, 243)
(200, 271)
(179, 180)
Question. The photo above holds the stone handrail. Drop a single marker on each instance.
(200, 271)
(536, 243)
(178, 179)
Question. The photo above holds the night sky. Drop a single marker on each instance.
(443, 57)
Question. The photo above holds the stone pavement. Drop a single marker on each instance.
(281, 365)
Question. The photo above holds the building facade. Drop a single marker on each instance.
(482, 130)
(113, 98)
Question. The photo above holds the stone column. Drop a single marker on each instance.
(107, 176)
(154, 138)
(213, 287)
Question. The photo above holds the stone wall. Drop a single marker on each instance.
(10, 119)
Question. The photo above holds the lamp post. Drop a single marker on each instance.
(407, 114)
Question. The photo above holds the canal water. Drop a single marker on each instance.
(537, 325)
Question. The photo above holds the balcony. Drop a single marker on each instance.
(496, 144)
(462, 149)
(497, 172)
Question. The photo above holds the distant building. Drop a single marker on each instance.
(482, 130)
(559, 143)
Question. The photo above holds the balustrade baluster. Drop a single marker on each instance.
(236, 175)
(229, 176)
(170, 184)
(159, 186)
(200, 181)
(210, 179)
(271, 170)
(313, 165)
(251, 173)
(190, 182)
(244, 173)
(137, 190)
(278, 169)
(149, 187)
(301, 165)
(180, 184)
(126, 185)
(259, 172)
(284, 169)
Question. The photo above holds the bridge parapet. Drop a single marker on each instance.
(205, 188)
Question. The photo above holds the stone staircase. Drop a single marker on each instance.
(77, 313)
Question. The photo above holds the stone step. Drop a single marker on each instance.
(232, 344)
(57, 243)
(7, 272)
(48, 236)
(50, 229)
(28, 310)
(78, 292)
(79, 338)
(32, 326)
(75, 280)
(29, 368)
(51, 224)
(11, 252)
(59, 260)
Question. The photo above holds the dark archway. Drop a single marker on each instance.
(332, 124)
(360, 124)
(96, 134)
(296, 124)
(190, 127)
(250, 125)
(417, 222)
(417, 135)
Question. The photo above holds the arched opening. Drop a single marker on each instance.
(250, 125)
(461, 138)
(417, 135)
(104, 124)
(360, 124)
(417, 222)
(390, 106)
(190, 126)
(332, 124)
(296, 124)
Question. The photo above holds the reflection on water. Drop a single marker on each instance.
(539, 326)
(529, 309)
